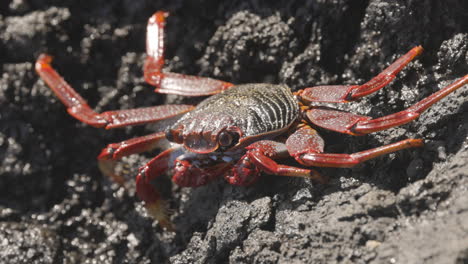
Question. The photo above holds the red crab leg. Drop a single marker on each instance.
(306, 146)
(115, 151)
(168, 82)
(358, 125)
(154, 204)
(346, 93)
(350, 160)
(79, 108)
(157, 166)
(259, 157)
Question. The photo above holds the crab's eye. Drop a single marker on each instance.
(225, 139)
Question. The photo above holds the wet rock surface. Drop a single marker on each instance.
(408, 207)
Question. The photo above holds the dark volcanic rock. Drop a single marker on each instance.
(407, 207)
(25, 242)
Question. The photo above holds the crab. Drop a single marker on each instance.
(241, 131)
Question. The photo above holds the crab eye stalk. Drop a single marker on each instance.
(227, 139)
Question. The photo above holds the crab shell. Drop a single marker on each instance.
(235, 118)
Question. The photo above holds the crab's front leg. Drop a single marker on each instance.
(157, 166)
(113, 152)
(145, 190)
(194, 170)
(189, 170)
(260, 157)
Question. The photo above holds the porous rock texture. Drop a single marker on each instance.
(408, 207)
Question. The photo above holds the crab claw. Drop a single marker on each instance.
(243, 173)
(187, 174)
(155, 205)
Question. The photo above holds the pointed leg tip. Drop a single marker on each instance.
(44, 60)
(418, 49)
(159, 17)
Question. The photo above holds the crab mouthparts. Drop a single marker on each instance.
(201, 144)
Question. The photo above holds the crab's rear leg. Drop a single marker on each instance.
(346, 93)
(306, 146)
(168, 82)
(348, 123)
(79, 108)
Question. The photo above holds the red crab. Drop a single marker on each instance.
(234, 133)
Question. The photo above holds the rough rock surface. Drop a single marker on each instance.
(408, 207)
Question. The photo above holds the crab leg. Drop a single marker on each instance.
(168, 82)
(154, 204)
(346, 93)
(306, 146)
(157, 166)
(79, 108)
(352, 124)
(115, 151)
(260, 157)
(350, 160)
